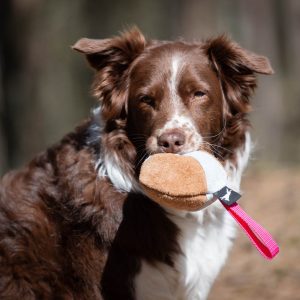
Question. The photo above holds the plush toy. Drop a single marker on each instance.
(192, 182)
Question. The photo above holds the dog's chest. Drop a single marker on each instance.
(204, 240)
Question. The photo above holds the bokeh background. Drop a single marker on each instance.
(45, 92)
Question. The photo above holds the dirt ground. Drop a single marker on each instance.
(272, 198)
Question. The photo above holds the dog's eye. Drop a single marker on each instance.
(199, 94)
(147, 100)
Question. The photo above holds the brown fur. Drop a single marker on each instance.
(57, 222)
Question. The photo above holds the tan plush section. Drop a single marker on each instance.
(174, 181)
(189, 203)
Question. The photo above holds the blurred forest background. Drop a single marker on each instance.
(44, 93)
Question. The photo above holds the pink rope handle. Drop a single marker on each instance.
(259, 237)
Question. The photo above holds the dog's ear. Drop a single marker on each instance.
(120, 50)
(236, 68)
(111, 58)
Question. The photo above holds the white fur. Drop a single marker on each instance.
(205, 240)
(108, 164)
(175, 68)
(109, 167)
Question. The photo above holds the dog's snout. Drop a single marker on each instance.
(171, 141)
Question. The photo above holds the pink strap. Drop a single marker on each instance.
(260, 238)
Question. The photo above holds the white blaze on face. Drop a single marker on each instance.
(179, 115)
(176, 62)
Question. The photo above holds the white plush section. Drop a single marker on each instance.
(216, 176)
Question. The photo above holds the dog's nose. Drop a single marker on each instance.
(171, 141)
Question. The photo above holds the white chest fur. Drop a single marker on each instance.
(205, 240)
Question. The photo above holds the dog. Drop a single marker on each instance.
(74, 223)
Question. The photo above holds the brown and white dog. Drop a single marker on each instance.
(74, 223)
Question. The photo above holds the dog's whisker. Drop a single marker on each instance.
(218, 146)
(216, 151)
(142, 158)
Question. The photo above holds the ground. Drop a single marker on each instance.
(272, 198)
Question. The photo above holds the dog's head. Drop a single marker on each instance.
(172, 96)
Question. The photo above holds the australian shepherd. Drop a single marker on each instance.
(74, 223)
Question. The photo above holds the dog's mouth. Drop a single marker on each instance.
(151, 145)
